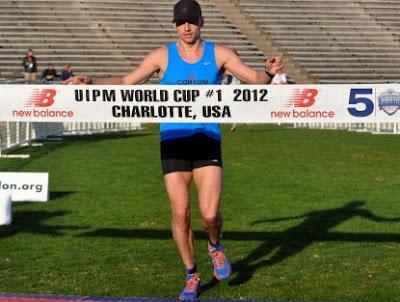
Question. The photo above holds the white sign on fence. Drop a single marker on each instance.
(25, 186)
(347, 103)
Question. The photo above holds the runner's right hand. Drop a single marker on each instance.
(79, 80)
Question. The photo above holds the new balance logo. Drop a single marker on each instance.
(302, 98)
(41, 98)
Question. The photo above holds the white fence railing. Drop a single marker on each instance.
(375, 128)
(14, 134)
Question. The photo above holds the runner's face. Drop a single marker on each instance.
(187, 32)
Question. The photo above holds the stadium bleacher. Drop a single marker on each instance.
(329, 41)
(101, 38)
(336, 41)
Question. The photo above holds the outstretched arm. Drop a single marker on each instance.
(151, 64)
(373, 217)
(277, 219)
(229, 60)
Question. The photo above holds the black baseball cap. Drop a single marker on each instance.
(187, 11)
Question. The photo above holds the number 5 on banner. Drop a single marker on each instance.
(355, 99)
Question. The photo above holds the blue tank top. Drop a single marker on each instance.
(179, 72)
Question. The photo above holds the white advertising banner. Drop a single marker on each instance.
(356, 103)
(25, 186)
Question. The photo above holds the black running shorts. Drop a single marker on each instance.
(189, 153)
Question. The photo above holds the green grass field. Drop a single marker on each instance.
(310, 215)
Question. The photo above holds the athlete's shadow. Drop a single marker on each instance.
(315, 227)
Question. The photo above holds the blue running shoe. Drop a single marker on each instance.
(192, 288)
(222, 266)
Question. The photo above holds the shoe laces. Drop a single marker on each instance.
(191, 283)
(219, 258)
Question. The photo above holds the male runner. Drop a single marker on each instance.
(192, 151)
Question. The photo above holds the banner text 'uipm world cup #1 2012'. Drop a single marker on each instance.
(202, 103)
